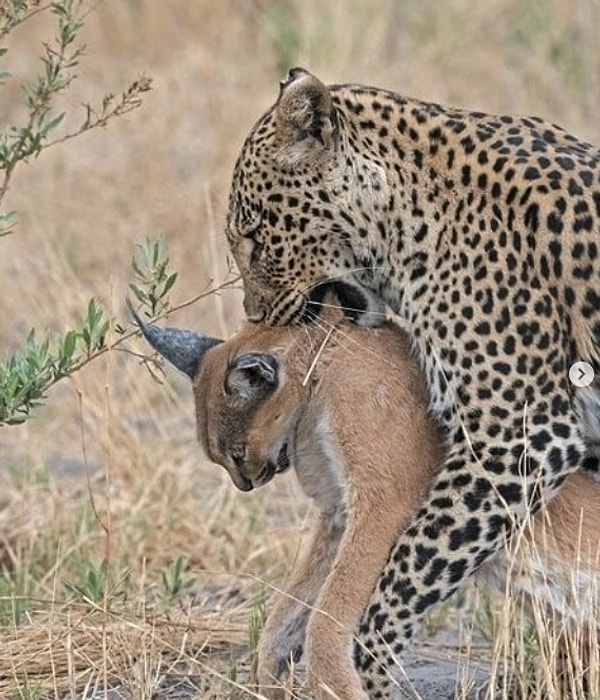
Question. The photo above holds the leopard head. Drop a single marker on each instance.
(298, 195)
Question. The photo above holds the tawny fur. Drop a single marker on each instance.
(365, 450)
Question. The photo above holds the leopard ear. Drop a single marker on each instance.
(304, 117)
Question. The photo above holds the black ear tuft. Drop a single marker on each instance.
(252, 376)
(184, 349)
(304, 116)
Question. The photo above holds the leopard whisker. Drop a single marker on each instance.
(326, 325)
(339, 277)
(345, 308)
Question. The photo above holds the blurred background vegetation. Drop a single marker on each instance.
(82, 207)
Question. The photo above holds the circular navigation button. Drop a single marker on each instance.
(581, 374)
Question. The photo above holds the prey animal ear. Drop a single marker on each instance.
(304, 117)
(252, 376)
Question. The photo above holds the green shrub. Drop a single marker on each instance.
(28, 373)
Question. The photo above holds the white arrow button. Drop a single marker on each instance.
(581, 374)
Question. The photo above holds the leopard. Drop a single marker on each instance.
(275, 399)
(480, 232)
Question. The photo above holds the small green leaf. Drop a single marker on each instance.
(69, 344)
(48, 126)
(139, 293)
(7, 220)
(171, 279)
(136, 267)
(87, 338)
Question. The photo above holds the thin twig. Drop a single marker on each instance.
(165, 314)
(9, 26)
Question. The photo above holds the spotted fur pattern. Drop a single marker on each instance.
(481, 233)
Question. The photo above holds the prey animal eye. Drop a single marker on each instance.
(238, 456)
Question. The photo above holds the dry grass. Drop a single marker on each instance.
(109, 471)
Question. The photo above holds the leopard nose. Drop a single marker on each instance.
(256, 318)
(255, 312)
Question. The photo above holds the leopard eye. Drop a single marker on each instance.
(250, 225)
(256, 252)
